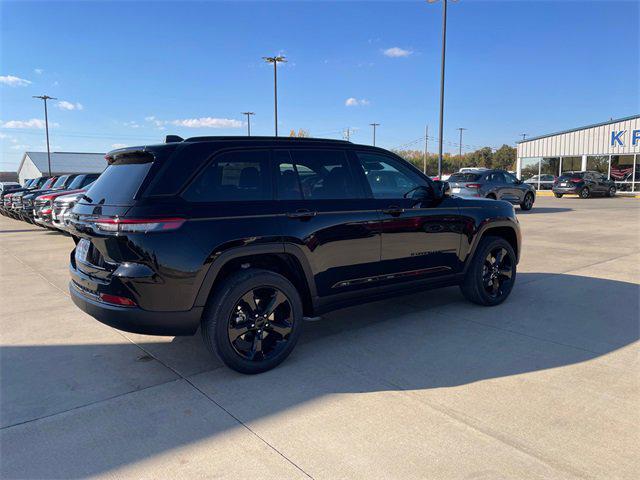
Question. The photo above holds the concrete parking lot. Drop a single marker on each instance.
(425, 386)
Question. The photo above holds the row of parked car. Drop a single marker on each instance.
(45, 201)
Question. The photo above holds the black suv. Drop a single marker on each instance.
(246, 236)
(584, 184)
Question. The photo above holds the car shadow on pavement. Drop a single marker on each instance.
(544, 210)
(421, 341)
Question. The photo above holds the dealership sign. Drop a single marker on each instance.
(618, 137)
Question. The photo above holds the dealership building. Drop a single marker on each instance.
(611, 148)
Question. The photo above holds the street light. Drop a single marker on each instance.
(444, 49)
(46, 125)
(248, 114)
(461, 130)
(374, 125)
(275, 61)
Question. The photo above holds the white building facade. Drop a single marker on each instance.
(611, 148)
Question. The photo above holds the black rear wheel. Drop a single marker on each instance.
(253, 320)
(611, 192)
(558, 195)
(585, 193)
(491, 273)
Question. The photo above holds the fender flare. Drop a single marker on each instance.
(482, 231)
(220, 260)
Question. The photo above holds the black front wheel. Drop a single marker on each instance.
(558, 195)
(611, 192)
(253, 320)
(527, 202)
(491, 273)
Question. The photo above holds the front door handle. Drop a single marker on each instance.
(393, 210)
(302, 213)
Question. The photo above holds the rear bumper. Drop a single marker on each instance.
(136, 320)
(566, 189)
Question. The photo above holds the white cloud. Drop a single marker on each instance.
(207, 122)
(64, 105)
(354, 102)
(38, 71)
(396, 52)
(20, 147)
(33, 123)
(14, 81)
(132, 124)
(118, 145)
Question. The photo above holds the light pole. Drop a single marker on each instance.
(248, 114)
(374, 125)
(524, 136)
(46, 125)
(444, 49)
(275, 60)
(426, 149)
(461, 130)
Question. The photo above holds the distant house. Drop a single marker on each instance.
(35, 164)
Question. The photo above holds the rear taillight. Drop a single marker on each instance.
(576, 180)
(137, 225)
(117, 300)
(473, 185)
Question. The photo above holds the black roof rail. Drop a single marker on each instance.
(263, 138)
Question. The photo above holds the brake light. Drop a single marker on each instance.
(117, 300)
(137, 225)
(473, 185)
(576, 180)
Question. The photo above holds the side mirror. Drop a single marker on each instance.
(440, 189)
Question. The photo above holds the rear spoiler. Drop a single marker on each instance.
(129, 155)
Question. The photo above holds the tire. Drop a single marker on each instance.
(558, 195)
(475, 287)
(611, 192)
(262, 345)
(492, 196)
(585, 193)
(527, 202)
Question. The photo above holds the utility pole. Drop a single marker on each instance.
(374, 125)
(275, 60)
(346, 134)
(46, 125)
(444, 49)
(248, 114)
(460, 151)
(426, 149)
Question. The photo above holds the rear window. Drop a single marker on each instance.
(464, 177)
(118, 184)
(569, 175)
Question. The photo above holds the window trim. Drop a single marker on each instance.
(213, 158)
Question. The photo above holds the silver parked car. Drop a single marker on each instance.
(496, 184)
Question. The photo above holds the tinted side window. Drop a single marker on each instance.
(496, 177)
(233, 176)
(315, 175)
(510, 179)
(388, 177)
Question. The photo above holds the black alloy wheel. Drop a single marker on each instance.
(261, 323)
(612, 191)
(253, 320)
(527, 203)
(497, 272)
(584, 193)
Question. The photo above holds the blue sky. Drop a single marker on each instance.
(131, 72)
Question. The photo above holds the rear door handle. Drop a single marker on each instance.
(393, 210)
(302, 213)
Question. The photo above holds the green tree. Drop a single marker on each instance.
(505, 158)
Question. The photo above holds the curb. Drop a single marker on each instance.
(547, 193)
